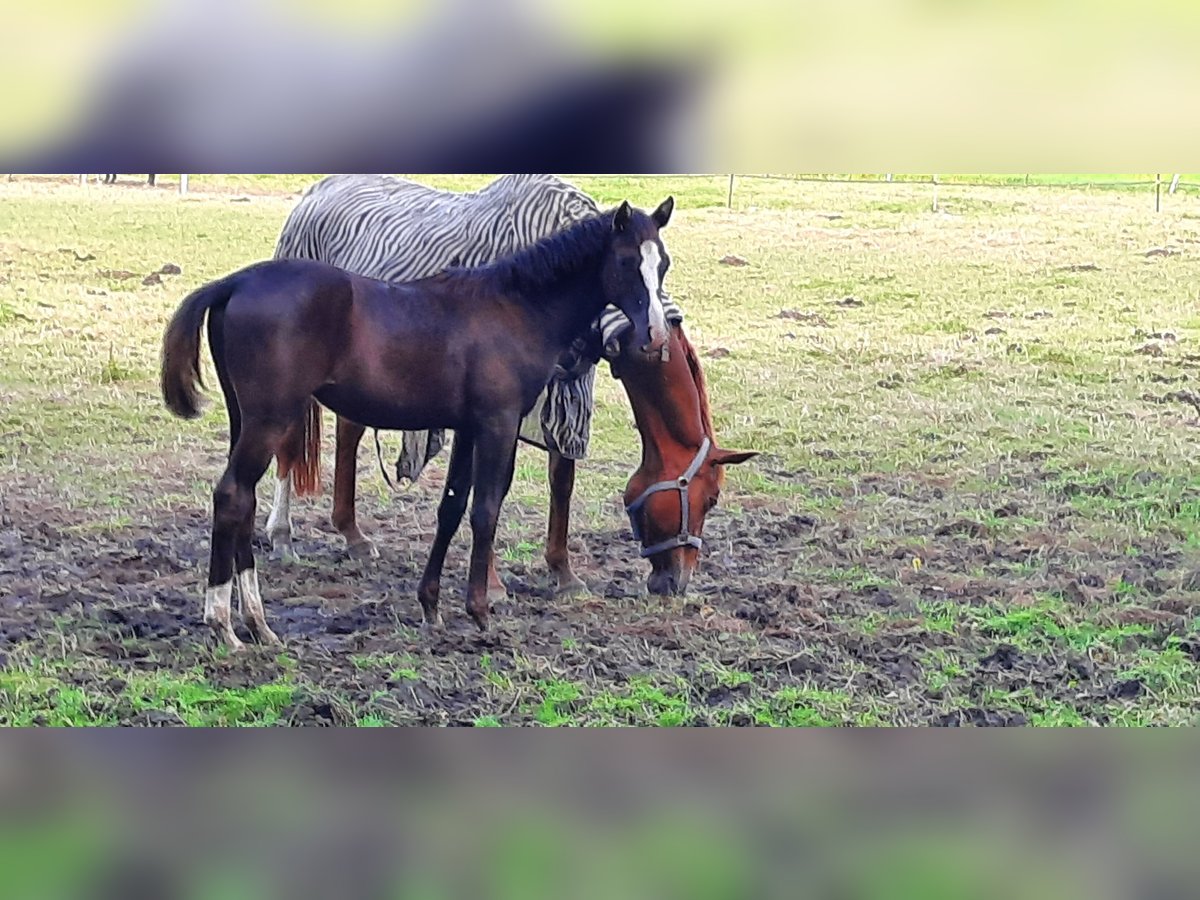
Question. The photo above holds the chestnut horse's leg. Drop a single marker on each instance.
(495, 460)
(558, 557)
(233, 524)
(450, 513)
(345, 520)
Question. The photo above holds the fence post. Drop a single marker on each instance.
(1174, 183)
(729, 202)
(935, 193)
(1158, 193)
(183, 185)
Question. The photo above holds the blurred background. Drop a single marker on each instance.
(546, 85)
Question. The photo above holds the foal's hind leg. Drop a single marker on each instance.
(233, 521)
(450, 513)
(249, 597)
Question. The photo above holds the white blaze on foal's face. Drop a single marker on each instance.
(651, 261)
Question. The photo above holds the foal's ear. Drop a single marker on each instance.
(662, 215)
(622, 217)
(732, 457)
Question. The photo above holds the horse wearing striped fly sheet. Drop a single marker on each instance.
(395, 230)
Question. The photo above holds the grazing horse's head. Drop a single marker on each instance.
(682, 470)
(633, 273)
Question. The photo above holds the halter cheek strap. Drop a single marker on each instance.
(684, 538)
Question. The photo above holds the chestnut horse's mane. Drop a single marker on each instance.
(693, 361)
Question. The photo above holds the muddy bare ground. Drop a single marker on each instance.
(753, 643)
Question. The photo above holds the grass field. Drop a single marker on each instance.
(977, 502)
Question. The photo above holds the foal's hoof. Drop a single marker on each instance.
(570, 586)
(285, 553)
(497, 593)
(480, 617)
(226, 638)
(263, 634)
(431, 623)
(363, 550)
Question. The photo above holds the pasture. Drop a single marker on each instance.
(977, 502)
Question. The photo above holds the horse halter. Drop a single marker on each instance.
(684, 538)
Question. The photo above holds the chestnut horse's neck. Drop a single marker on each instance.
(670, 405)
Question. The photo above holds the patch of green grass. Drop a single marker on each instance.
(199, 703)
(38, 698)
(859, 578)
(940, 615)
(41, 693)
(941, 670)
(812, 708)
(113, 371)
(523, 552)
(643, 702)
(1049, 624)
(1167, 672)
(556, 694)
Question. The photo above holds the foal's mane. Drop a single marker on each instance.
(560, 255)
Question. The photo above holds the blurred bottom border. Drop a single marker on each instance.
(582, 814)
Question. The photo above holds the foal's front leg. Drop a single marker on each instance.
(450, 513)
(495, 459)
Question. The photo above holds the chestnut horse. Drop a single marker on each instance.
(682, 471)
(468, 350)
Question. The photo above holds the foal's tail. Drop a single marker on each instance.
(181, 381)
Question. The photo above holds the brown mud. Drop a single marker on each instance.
(753, 642)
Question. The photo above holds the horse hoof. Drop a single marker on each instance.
(284, 553)
(497, 593)
(480, 614)
(263, 634)
(232, 644)
(431, 624)
(571, 586)
(363, 550)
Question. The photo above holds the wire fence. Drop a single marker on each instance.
(1155, 185)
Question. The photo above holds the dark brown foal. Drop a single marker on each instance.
(469, 350)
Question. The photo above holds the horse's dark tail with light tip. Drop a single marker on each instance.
(181, 380)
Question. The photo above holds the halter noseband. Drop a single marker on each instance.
(684, 538)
